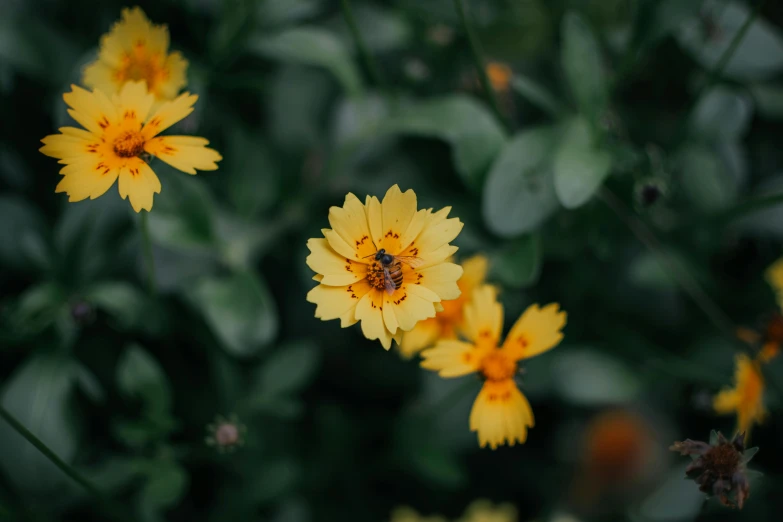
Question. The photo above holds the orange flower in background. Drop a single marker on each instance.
(745, 399)
(119, 133)
(447, 322)
(499, 75)
(384, 264)
(137, 50)
(500, 414)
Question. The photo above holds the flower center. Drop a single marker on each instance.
(227, 434)
(375, 276)
(498, 367)
(139, 65)
(722, 459)
(129, 144)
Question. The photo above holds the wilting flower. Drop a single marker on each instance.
(226, 434)
(119, 136)
(499, 75)
(720, 467)
(500, 413)
(483, 511)
(353, 284)
(406, 514)
(745, 399)
(136, 50)
(447, 323)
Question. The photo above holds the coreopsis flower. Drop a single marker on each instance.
(447, 323)
(745, 399)
(720, 467)
(384, 264)
(120, 134)
(226, 434)
(483, 511)
(137, 50)
(500, 414)
(406, 514)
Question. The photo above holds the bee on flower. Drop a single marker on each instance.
(384, 264)
(746, 398)
(121, 133)
(137, 50)
(448, 322)
(500, 414)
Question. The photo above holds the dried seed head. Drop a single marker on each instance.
(719, 467)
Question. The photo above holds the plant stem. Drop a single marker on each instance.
(147, 246)
(61, 464)
(369, 61)
(478, 61)
(717, 71)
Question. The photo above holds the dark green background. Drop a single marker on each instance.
(338, 428)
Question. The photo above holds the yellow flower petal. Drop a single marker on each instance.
(452, 358)
(68, 145)
(484, 316)
(369, 312)
(475, 272)
(335, 270)
(185, 153)
(138, 183)
(349, 222)
(398, 210)
(774, 276)
(501, 414)
(438, 231)
(87, 183)
(334, 302)
(423, 335)
(134, 102)
(168, 114)
(93, 110)
(536, 331)
(441, 279)
(746, 398)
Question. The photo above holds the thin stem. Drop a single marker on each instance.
(475, 48)
(717, 71)
(60, 463)
(369, 61)
(147, 246)
(680, 274)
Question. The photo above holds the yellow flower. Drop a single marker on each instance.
(774, 277)
(352, 284)
(483, 511)
(499, 75)
(446, 324)
(500, 413)
(136, 50)
(746, 397)
(118, 135)
(406, 514)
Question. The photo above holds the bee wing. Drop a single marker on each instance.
(388, 282)
(411, 261)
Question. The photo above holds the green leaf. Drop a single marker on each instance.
(587, 377)
(383, 30)
(676, 499)
(704, 179)
(650, 271)
(22, 237)
(130, 307)
(312, 46)
(768, 99)
(579, 167)
(518, 265)
(583, 66)
(417, 447)
(721, 113)
(474, 134)
(38, 307)
(289, 369)
(139, 376)
(298, 97)
(39, 395)
(239, 309)
(538, 95)
(274, 479)
(166, 483)
(759, 54)
(276, 13)
(18, 49)
(519, 194)
(254, 179)
(183, 215)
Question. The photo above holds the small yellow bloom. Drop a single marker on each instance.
(446, 324)
(136, 50)
(499, 75)
(745, 399)
(774, 277)
(483, 511)
(118, 135)
(406, 514)
(353, 286)
(500, 414)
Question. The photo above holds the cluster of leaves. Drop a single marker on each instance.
(607, 98)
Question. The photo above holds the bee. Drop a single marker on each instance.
(392, 268)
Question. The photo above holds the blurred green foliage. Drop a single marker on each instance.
(607, 99)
